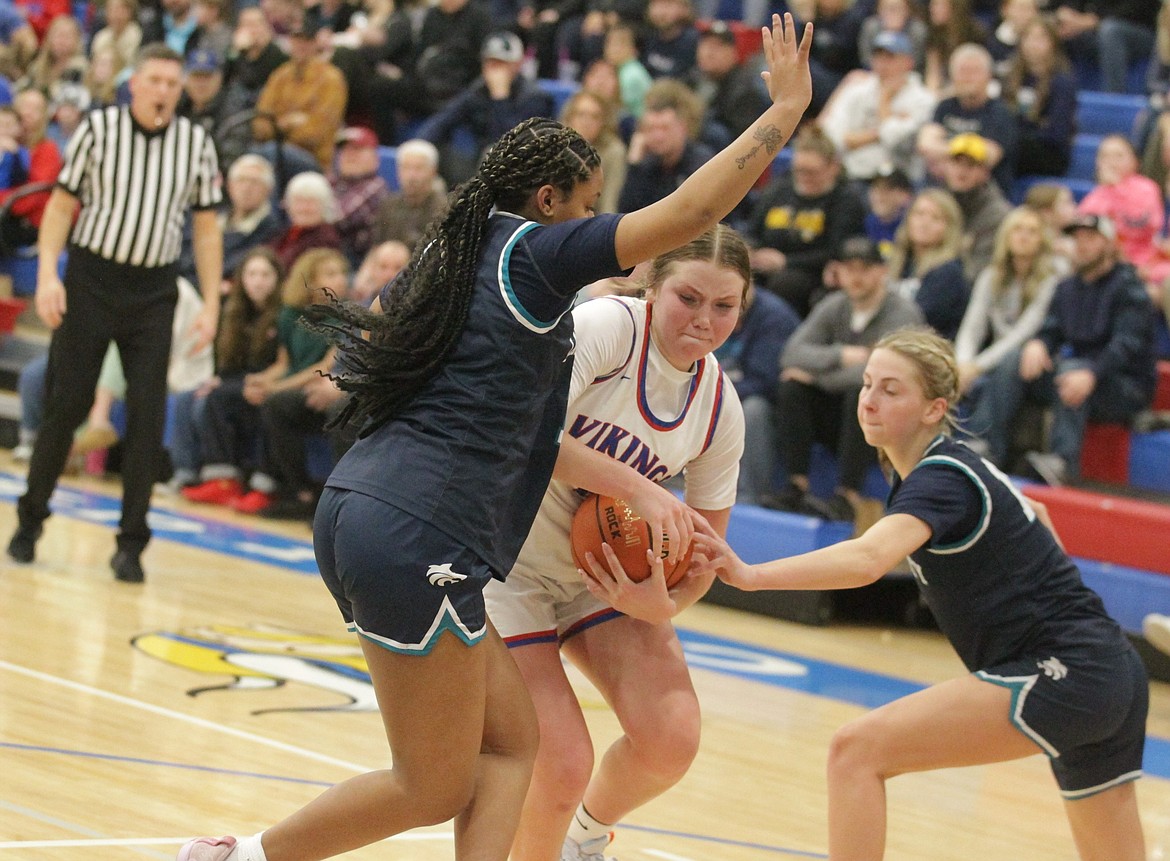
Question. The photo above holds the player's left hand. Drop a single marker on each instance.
(648, 600)
(713, 553)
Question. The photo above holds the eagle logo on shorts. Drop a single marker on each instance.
(442, 575)
(1053, 668)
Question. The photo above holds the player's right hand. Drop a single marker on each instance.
(50, 301)
(667, 517)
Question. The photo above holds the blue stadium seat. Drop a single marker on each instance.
(388, 166)
(1108, 113)
(1083, 163)
(560, 92)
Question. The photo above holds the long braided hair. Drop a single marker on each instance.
(420, 325)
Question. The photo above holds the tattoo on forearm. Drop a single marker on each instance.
(769, 138)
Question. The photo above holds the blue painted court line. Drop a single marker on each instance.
(753, 663)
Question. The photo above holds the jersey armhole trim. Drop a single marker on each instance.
(522, 315)
(984, 516)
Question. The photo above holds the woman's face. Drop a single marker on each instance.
(63, 40)
(305, 210)
(1036, 48)
(1025, 236)
(259, 280)
(1115, 162)
(696, 307)
(926, 223)
(892, 408)
(580, 203)
(587, 117)
(332, 278)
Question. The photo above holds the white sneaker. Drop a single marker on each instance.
(590, 850)
(22, 453)
(207, 849)
(1156, 630)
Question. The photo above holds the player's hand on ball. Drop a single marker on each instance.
(648, 600)
(712, 553)
(667, 516)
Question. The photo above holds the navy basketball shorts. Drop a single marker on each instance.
(1086, 709)
(397, 580)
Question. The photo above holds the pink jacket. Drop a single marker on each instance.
(1135, 205)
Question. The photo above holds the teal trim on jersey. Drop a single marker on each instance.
(1094, 790)
(1019, 686)
(518, 310)
(985, 516)
(446, 620)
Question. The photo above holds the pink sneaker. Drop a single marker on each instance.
(207, 849)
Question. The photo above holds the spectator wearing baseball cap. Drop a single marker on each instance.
(893, 16)
(203, 99)
(730, 90)
(972, 109)
(1093, 358)
(307, 97)
(820, 378)
(359, 190)
(874, 119)
(887, 197)
(967, 175)
(499, 99)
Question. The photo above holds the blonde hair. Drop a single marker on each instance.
(1003, 273)
(720, 245)
(297, 291)
(935, 366)
(947, 249)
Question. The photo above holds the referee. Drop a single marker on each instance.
(134, 170)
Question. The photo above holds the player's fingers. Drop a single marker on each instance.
(657, 569)
(616, 571)
(595, 571)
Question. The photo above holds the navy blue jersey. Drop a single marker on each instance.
(472, 454)
(993, 575)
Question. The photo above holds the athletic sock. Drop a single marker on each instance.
(249, 849)
(585, 827)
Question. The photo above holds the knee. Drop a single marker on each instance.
(564, 764)
(440, 795)
(854, 750)
(668, 744)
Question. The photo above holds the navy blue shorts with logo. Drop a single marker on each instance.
(1086, 709)
(397, 580)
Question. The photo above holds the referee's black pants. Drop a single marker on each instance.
(134, 307)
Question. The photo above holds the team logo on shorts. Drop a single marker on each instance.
(442, 575)
(1053, 668)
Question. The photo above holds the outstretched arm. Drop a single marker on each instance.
(857, 562)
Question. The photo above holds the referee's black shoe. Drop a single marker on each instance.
(127, 567)
(23, 546)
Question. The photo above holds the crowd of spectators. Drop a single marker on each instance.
(924, 117)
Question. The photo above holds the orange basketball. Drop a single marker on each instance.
(603, 519)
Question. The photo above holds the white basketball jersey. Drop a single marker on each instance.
(629, 403)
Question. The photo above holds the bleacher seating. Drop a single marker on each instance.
(1083, 164)
(388, 166)
(560, 92)
(1108, 113)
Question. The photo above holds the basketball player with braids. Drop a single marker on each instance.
(462, 386)
(647, 393)
(1050, 671)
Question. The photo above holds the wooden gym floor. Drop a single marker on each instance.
(225, 693)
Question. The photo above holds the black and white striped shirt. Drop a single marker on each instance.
(135, 185)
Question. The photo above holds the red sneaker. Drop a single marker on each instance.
(252, 502)
(217, 491)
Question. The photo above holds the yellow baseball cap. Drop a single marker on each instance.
(971, 145)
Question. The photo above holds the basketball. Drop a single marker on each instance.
(605, 520)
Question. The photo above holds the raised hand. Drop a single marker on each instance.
(788, 77)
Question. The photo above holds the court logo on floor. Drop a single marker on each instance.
(263, 657)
